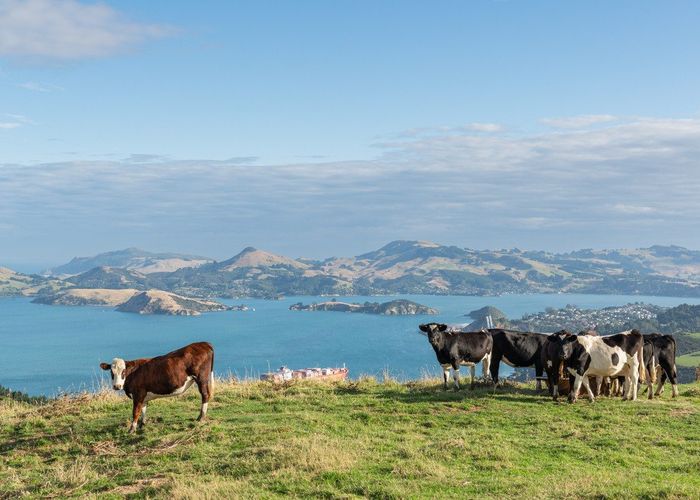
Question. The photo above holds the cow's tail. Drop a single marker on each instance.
(652, 369)
(211, 375)
(642, 367)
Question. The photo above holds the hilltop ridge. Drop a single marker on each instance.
(407, 267)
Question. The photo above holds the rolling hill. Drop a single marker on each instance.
(405, 267)
(129, 258)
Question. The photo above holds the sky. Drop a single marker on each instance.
(319, 128)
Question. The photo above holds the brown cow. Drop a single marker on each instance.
(169, 375)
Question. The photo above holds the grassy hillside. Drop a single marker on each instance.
(355, 439)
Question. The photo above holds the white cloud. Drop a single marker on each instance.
(15, 121)
(633, 209)
(39, 87)
(616, 186)
(576, 122)
(68, 29)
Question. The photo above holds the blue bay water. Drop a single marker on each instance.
(50, 349)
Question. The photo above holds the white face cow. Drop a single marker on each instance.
(117, 369)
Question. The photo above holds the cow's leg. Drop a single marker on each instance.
(632, 384)
(660, 385)
(485, 366)
(143, 414)
(651, 368)
(573, 393)
(599, 385)
(669, 369)
(205, 391)
(493, 368)
(455, 375)
(539, 370)
(472, 372)
(138, 407)
(587, 385)
(446, 374)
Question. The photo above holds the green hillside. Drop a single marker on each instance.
(354, 439)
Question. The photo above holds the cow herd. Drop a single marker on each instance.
(613, 364)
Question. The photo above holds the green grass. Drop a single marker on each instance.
(690, 359)
(354, 439)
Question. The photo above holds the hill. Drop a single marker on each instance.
(87, 297)
(170, 304)
(401, 267)
(354, 439)
(420, 267)
(129, 258)
(110, 277)
(13, 283)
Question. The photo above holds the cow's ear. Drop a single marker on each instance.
(105, 366)
(442, 327)
(423, 328)
(553, 337)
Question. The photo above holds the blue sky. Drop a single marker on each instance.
(329, 128)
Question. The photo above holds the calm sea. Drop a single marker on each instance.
(51, 349)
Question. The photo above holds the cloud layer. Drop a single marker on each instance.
(68, 29)
(630, 183)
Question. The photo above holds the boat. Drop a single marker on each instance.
(284, 374)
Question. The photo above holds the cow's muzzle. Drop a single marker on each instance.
(117, 387)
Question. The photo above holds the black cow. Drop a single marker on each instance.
(454, 349)
(552, 362)
(660, 353)
(517, 349)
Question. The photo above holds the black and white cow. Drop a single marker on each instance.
(517, 349)
(610, 356)
(660, 354)
(455, 349)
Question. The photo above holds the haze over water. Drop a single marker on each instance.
(49, 349)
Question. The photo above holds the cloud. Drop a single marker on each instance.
(15, 121)
(626, 184)
(39, 87)
(633, 209)
(68, 29)
(575, 122)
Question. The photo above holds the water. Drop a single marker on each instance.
(49, 349)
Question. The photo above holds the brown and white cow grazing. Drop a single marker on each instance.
(611, 356)
(169, 375)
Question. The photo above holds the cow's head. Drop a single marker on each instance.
(566, 347)
(433, 330)
(118, 372)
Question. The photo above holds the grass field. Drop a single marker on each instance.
(690, 359)
(354, 439)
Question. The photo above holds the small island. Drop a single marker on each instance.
(399, 307)
(136, 301)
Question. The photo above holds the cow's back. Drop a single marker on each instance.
(163, 374)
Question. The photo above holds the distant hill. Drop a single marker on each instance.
(87, 297)
(14, 283)
(129, 258)
(110, 277)
(400, 267)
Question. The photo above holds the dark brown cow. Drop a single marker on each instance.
(164, 376)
